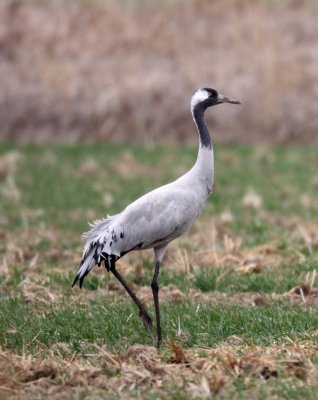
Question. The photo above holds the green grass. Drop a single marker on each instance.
(204, 325)
(57, 188)
(284, 279)
(40, 245)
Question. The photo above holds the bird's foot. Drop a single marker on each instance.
(158, 343)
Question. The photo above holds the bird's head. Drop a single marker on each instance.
(206, 97)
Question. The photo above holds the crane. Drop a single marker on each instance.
(156, 218)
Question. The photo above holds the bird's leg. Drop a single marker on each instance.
(142, 309)
(155, 293)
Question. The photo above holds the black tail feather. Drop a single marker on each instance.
(81, 281)
(75, 280)
(105, 257)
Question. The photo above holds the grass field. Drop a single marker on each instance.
(238, 292)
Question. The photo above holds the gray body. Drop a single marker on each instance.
(158, 217)
(153, 220)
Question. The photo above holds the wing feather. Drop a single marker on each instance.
(151, 221)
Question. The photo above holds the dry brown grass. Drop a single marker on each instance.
(220, 249)
(112, 71)
(200, 372)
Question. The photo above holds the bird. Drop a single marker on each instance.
(156, 218)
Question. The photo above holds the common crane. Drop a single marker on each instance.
(158, 217)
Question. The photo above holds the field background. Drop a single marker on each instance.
(125, 70)
(94, 112)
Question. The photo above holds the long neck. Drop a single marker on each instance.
(198, 116)
(204, 166)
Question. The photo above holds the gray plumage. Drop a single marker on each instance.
(160, 216)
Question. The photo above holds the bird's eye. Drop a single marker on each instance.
(213, 93)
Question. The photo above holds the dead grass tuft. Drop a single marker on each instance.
(45, 371)
(170, 293)
(8, 164)
(305, 292)
(252, 200)
(228, 251)
(88, 167)
(140, 355)
(178, 353)
(127, 167)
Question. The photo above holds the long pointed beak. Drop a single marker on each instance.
(224, 99)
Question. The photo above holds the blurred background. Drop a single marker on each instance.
(120, 70)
